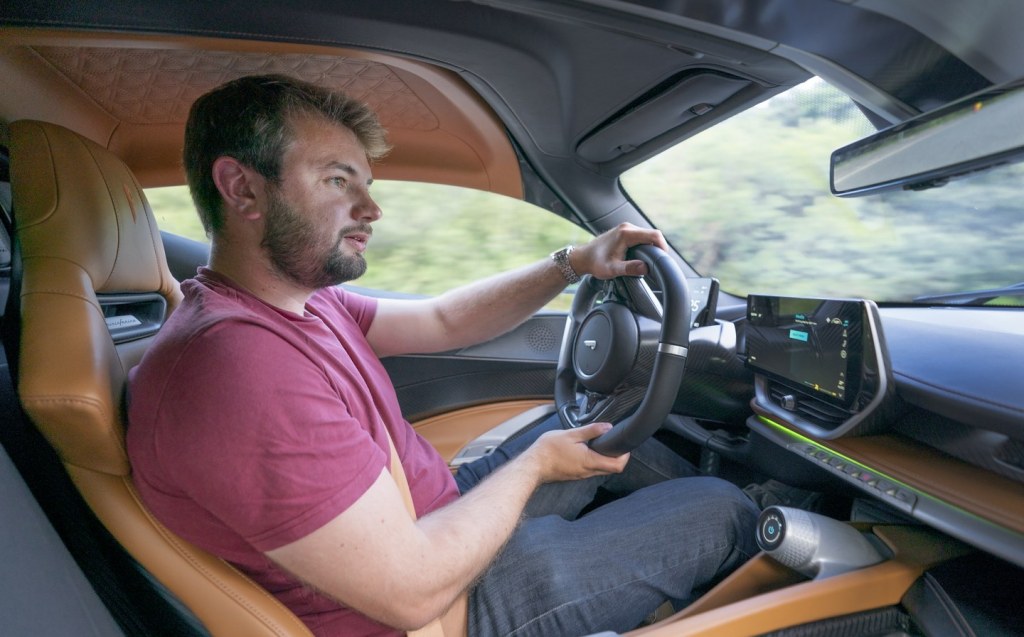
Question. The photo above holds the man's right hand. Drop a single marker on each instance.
(565, 455)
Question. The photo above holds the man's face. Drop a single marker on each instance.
(319, 213)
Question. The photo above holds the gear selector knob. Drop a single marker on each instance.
(812, 544)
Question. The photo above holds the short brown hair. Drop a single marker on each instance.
(248, 119)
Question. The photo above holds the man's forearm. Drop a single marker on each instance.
(463, 550)
(373, 558)
(466, 535)
(410, 573)
(466, 315)
(486, 309)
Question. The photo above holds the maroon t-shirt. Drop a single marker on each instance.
(251, 427)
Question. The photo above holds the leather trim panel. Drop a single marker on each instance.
(983, 493)
(220, 596)
(720, 614)
(448, 433)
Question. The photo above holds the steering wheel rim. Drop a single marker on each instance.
(669, 357)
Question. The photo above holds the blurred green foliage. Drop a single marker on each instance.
(174, 212)
(432, 238)
(748, 202)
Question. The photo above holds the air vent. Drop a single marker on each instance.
(816, 411)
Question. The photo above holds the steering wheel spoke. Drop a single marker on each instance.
(613, 407)
(591, 407)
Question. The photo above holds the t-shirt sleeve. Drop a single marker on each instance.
(361, 308)
(260, 437)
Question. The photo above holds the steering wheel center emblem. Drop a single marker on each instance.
(591, 344)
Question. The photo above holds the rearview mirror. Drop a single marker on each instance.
(971, 134)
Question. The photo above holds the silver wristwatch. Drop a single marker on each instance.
(561, 259)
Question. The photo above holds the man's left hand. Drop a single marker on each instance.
(605, 255)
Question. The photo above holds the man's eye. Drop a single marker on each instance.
(338, 181)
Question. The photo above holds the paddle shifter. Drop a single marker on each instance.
(812, 544)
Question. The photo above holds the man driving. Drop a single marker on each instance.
(262, 421)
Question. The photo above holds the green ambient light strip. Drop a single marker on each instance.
(920, 494)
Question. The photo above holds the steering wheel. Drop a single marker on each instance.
(623, 351)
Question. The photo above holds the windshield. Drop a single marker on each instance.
(748, 202)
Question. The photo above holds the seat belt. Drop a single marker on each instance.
(453, 623)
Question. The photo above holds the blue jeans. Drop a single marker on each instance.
(674, 535)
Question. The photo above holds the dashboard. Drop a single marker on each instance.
(919, 407)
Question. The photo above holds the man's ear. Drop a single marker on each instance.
(239, 186)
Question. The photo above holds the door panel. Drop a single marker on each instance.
(449, 432)
(519, 365)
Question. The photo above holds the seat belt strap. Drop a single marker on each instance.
(435, 627)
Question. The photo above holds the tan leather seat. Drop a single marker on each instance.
(95, 288)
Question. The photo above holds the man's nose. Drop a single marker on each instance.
(366, 209)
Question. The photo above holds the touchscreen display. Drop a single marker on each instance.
(813, 343)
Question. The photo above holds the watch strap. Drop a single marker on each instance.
(561, 259)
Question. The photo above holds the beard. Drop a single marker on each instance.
(297, 249)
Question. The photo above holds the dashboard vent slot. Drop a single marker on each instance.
(816, 411)
(778, 395)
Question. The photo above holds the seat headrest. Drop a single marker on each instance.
(78, 202)
(85, 229)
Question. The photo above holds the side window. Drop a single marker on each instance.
(431, 238)
(175, 213)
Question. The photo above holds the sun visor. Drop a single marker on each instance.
(659, 111)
